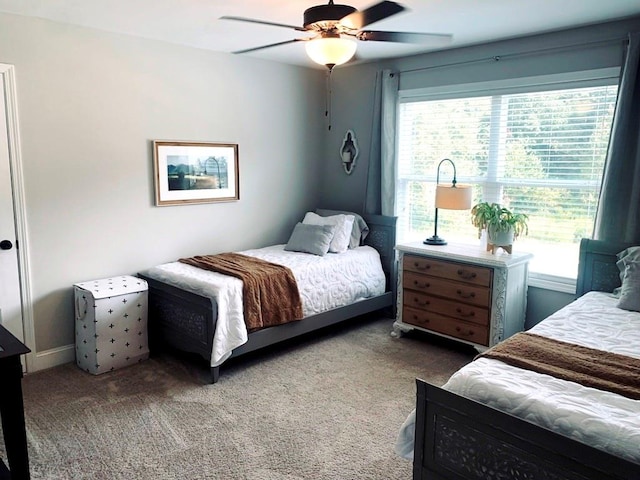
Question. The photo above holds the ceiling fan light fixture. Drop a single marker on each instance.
(331, 50)
(336, 29)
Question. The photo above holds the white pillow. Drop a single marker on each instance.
(344, 225)
(360, 228)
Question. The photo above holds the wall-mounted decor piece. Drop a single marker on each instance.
(195, 172)
(349, 152)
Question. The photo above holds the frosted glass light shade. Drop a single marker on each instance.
(331, 50)
(451, 197)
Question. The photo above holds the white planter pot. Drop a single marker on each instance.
(500, 239)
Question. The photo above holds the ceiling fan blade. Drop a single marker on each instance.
(262, 22)
(247, 50)
(374, 13)
(405, 37)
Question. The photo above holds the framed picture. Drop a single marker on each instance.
(195, 172)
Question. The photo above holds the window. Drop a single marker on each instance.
(539, 152)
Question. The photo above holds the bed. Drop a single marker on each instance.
(187, 317)
(492, 420)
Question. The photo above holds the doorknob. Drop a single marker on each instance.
(6, 245)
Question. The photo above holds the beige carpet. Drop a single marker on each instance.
(326, 407)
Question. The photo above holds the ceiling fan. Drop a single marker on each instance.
(335, 27)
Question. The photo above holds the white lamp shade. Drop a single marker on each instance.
(453, 197)
(331, 50)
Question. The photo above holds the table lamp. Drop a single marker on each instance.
(449, 197)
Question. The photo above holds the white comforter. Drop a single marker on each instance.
(324, 283)
(601, 419)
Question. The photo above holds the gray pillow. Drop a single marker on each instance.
(630, 290)
(360, 228)
(631, 254)
(313, 239)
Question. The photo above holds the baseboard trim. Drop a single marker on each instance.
(53, 358)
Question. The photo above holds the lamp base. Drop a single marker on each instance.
(435, 240)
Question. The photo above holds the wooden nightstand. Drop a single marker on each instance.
(461, 292)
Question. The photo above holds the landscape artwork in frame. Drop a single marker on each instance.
(195, 172)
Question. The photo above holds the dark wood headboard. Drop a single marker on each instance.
(597, 268)
(382, 237)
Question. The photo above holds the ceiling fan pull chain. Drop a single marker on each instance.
(327, 111)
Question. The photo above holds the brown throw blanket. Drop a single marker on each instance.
(270, 292)
(589, 367)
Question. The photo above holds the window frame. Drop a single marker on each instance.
(569, 80)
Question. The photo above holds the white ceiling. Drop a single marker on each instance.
(196, 23)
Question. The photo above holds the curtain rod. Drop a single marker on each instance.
(497, 58)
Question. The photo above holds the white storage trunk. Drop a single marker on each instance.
(111, 323)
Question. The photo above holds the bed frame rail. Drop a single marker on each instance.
(458, 438)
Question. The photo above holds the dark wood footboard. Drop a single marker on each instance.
(458, 438)
(180, 319)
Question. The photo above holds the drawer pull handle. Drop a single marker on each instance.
(470, 314)
(468, 333)
(419, 266)
(466, 295)
(422, 304)
(421, 285)
(466, 275)
(424, 320)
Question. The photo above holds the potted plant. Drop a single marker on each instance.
(502, 225)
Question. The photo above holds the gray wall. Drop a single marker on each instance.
(89, 105)
(586, 48)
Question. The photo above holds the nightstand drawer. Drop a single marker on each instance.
(454, 271)
(463, 292)
(451, 308)
(449, 326)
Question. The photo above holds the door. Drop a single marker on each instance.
(10, 300)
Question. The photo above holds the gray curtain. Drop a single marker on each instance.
(618, 215)
(381, 174)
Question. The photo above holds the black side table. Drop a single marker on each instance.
(12, 407)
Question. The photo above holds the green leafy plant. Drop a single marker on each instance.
(495, 218)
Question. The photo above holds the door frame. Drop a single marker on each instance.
(17, 185)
